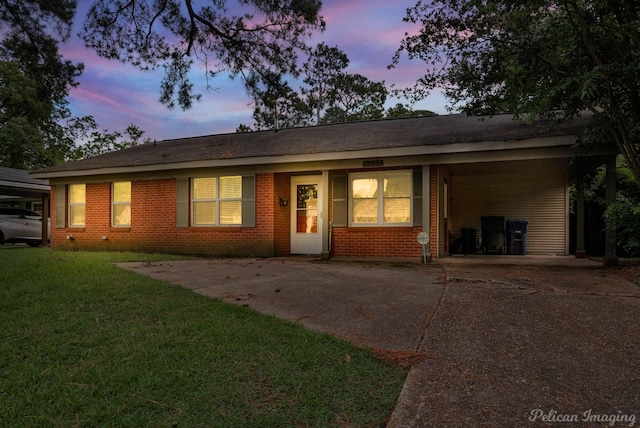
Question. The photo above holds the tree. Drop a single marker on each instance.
(356, 98)
(331, 94)
(34, 82)
(31, 32)
(322, 71)
(401, 110)
(552, 58)
(95, 142)
(239, 38)
(276, 104)
(21, 111)
(624, 211)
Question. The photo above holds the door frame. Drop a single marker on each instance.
(303, 243)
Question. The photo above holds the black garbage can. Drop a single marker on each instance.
(468, 240)
(492, 234)
(517, 237)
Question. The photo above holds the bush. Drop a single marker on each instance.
(625, 213)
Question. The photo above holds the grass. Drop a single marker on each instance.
(85, 343)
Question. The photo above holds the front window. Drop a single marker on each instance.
(121, 204)
(381, 198)
(217, 201)
(77, 204)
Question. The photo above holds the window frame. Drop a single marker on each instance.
(217, 200)
(119, 203)
(76, 204)
(380, 198)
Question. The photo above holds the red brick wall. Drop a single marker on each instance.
(153, 219)
(282, 223)
(376, 241)
(153, 224)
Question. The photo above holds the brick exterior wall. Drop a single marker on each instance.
(376, 241)
(282, 218)
(153, 224)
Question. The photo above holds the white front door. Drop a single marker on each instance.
(306, 215)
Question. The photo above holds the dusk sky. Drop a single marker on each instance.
(368, 31)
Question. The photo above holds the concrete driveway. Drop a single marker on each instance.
(521, 341)
(371, 304)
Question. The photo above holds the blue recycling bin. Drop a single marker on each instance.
(517, 237)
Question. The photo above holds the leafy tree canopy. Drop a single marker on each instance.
(554, 58)
(327, 94)
(31, 32)
(276, 104)
(96, 142)
(236, 37)
(34, 81)
(401, 110)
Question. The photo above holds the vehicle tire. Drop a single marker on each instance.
(34, 243)
(1, 238)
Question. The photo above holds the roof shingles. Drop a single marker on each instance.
(345, 137)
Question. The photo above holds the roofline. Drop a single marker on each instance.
(537, 142)
(22, 185)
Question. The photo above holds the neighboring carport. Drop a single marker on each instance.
(18, 189)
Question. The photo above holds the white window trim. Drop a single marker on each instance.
(114, 203)
(77, 205)
(217, 201)
(380, 175)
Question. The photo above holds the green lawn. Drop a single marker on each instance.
(84, 343)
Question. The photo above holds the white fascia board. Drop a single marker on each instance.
(394, 152)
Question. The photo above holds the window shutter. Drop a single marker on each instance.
(248, 201)
(61, 206)
(182, 202)
(417, 198)
(340, 197)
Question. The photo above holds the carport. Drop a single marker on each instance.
(18, 189)
(534, 190)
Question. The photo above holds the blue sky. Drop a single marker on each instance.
(368, 31)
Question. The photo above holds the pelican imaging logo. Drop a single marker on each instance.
(589, 416)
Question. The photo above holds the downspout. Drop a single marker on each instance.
(426, 203)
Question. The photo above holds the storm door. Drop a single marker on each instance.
(306, 215)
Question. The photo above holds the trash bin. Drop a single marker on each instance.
(517, 237)
(492, 234)
(468, 240)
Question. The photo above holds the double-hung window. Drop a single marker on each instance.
(380, 198)
(217, 200)
(121, 204)
(77, 204)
